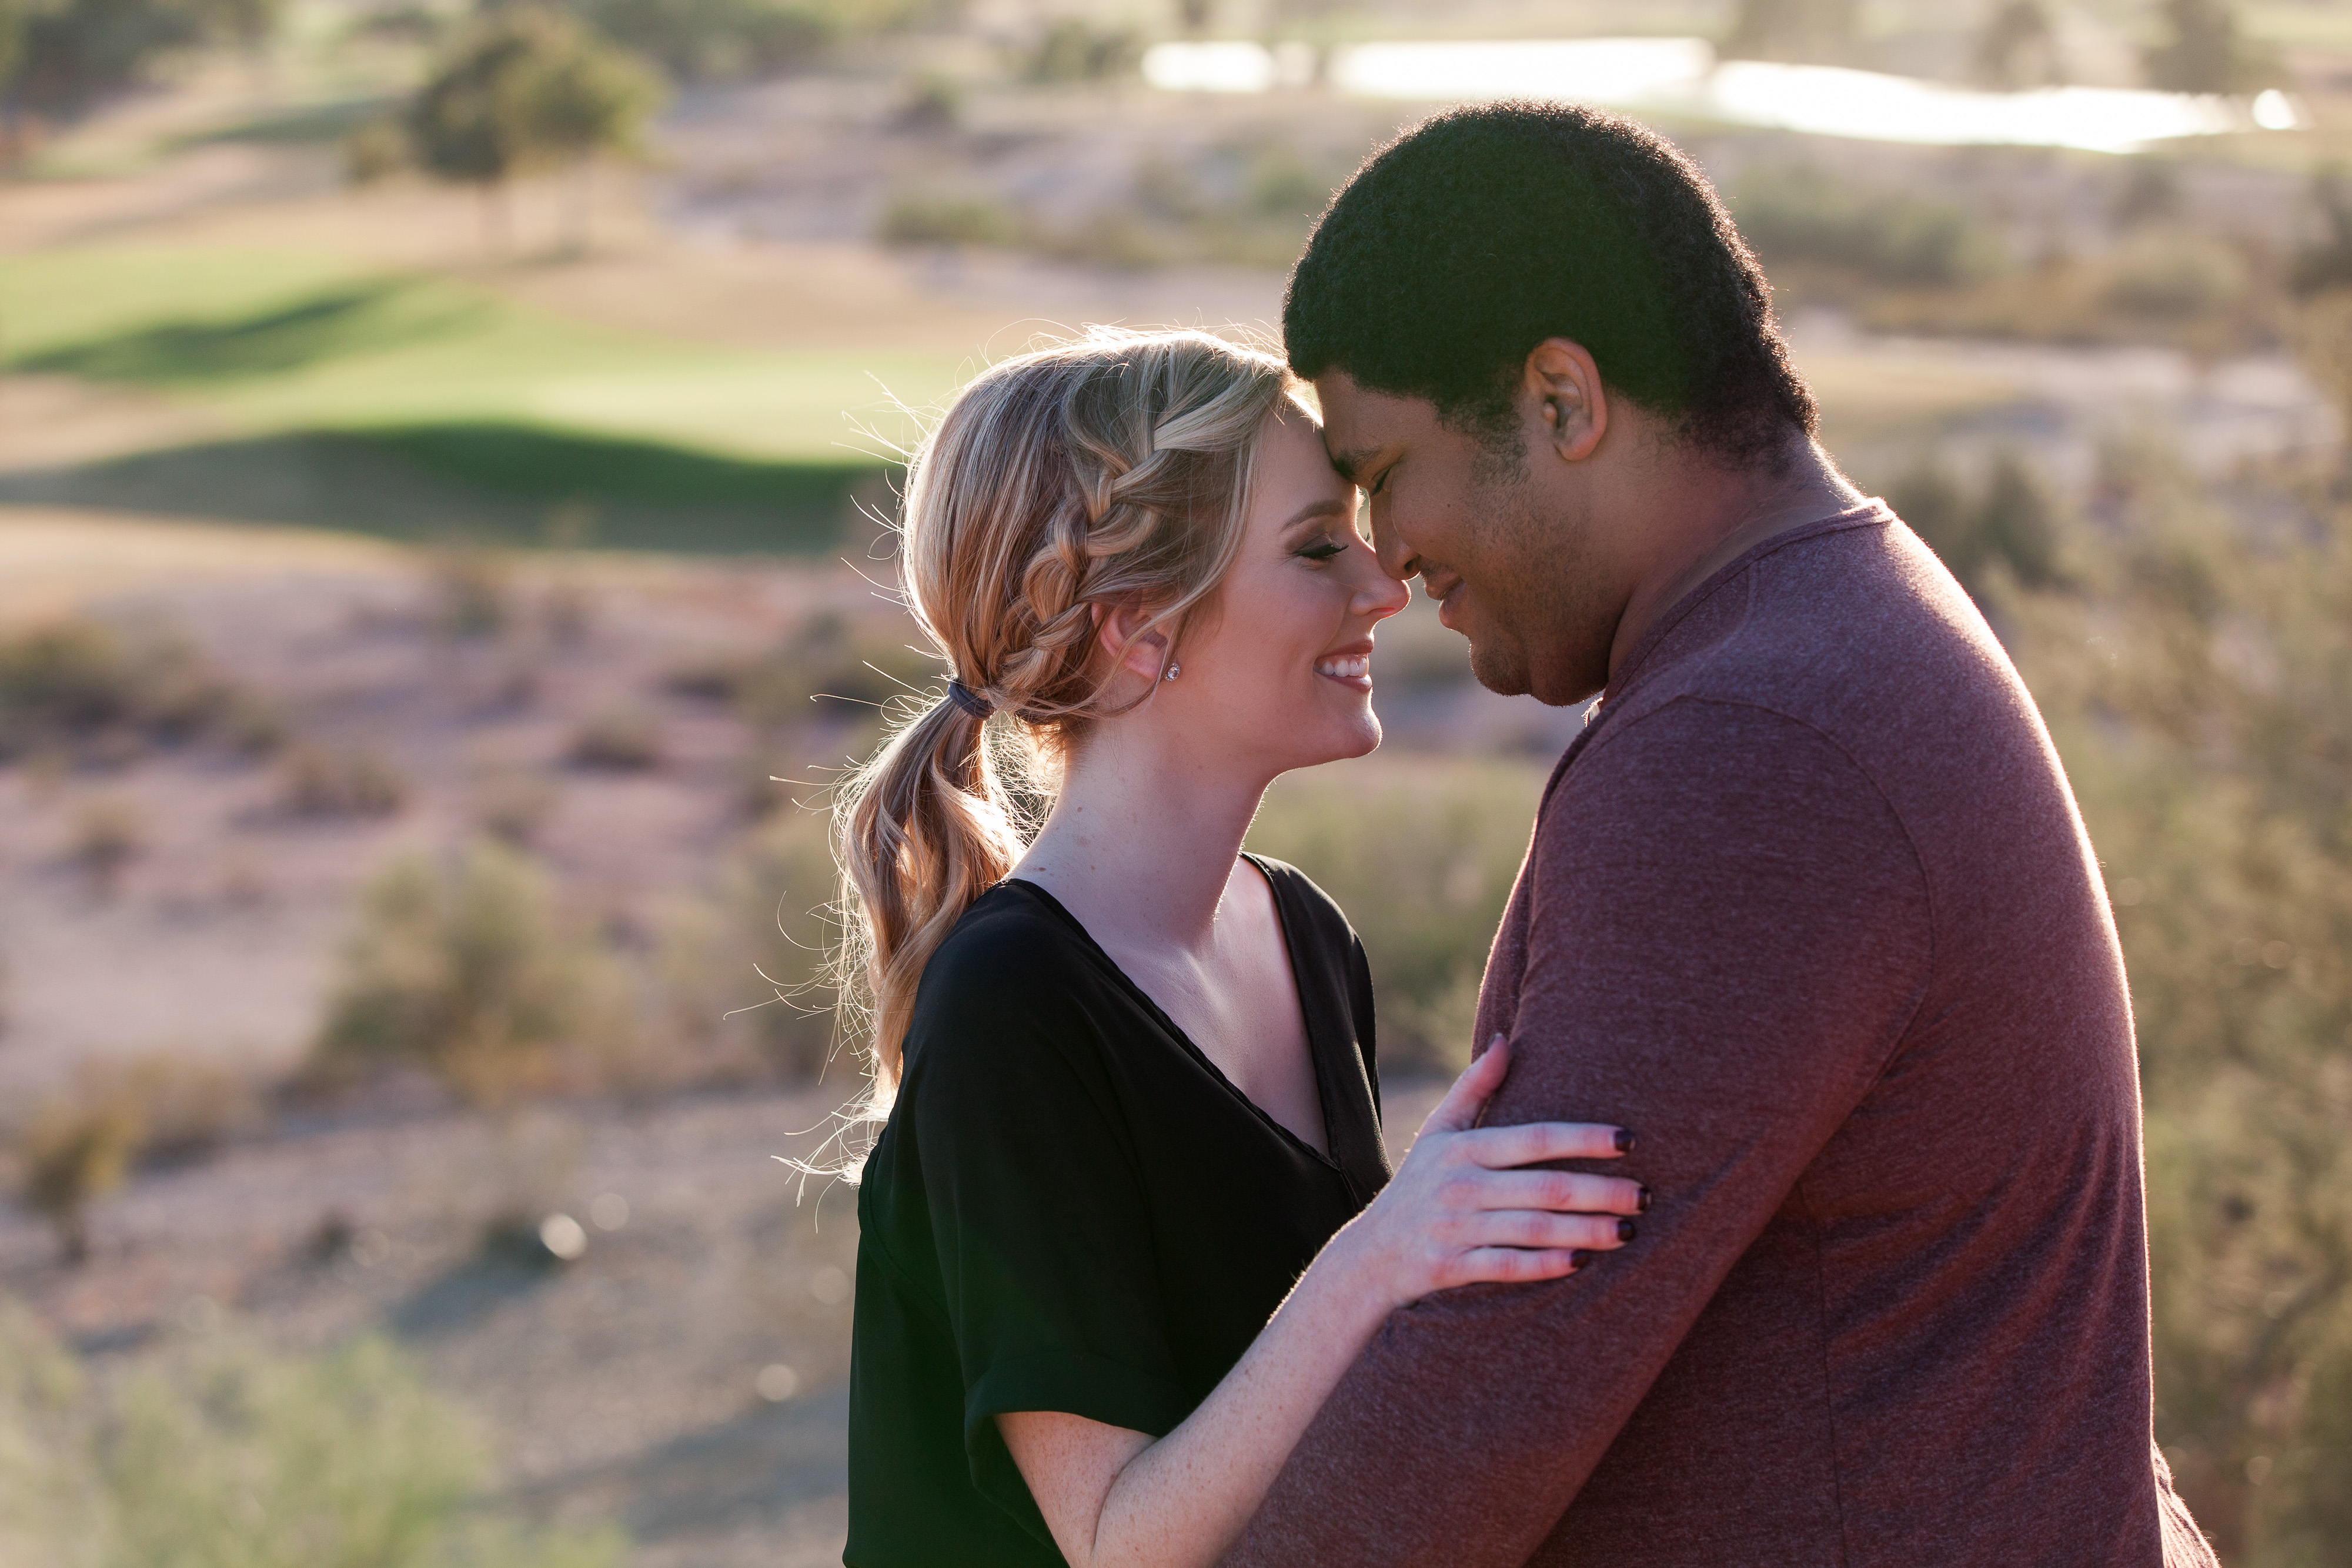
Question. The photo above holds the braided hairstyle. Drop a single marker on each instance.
(1112, 470)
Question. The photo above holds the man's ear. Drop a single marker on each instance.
(1571, 405)
(1116, 624)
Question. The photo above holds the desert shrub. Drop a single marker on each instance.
(109, 834)
(830, 667)
(73, 1152)
(2176, 273)
(218, 1453)
(2012, 522)
(920, 217)
(719, 40)
(469, 967)
(470, 591)
(624, 739)
(2197, 679)
(745, 968)
(512, 804)
(1798, 214)
(69, 685)
(354, 780)
(1075, 50)
(1421, 854)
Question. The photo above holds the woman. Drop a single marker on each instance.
(1121, 1233)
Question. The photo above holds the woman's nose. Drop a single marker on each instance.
(1380, 596)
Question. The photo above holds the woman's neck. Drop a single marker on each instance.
(1141, 839)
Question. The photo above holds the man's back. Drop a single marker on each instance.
(1810, 908)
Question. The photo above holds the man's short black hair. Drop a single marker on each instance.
(1467, 241)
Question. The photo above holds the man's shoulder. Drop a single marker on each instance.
(1855, 632)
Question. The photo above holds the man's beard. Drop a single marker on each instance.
(1535, 601)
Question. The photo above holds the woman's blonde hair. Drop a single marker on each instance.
(1110, 470)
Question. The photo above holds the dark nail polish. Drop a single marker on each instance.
(1642, 1205)
(1627, 1230)
(1579, 1258)
(1624, 1141)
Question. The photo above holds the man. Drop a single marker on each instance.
(1807, 908)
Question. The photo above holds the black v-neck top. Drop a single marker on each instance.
(1071, 1208)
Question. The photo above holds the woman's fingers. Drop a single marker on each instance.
(1512, 1265)
(1567, 1191)
(1470, 1091)
(1531, 1143)
(1535, 1230)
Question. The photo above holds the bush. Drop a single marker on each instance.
(74, 684)
(1073, 50)
(345, 781)
(619, 740)
(71, 1153)
(109, 834)
(2199, 682)
(745, 971)
(2013, 524)
(918, 218)
(832, 667)
(1798, 214)
(220, 1454)
(719, 40)
(2174, 273)
(470, 591)
(469, 968)
(1421, 854)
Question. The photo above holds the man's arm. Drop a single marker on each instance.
(1729, 932)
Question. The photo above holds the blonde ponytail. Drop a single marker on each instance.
(1111, 470)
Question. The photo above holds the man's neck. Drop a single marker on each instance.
(1141, 839)
(1716, 515)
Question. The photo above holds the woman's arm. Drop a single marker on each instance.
(1457, 1213)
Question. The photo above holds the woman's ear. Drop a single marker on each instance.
(1120, 631)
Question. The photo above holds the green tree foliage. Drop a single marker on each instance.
(218, 1454)
(71, 1154)
(528, 88)
(1800, 215)
(2011, 523)
(469, 968)
(720, 40)
(57, 56)
(2198, 678)
(1801, 30)
(2204, 52)
(2019, 46)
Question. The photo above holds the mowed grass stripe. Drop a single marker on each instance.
(288, 342)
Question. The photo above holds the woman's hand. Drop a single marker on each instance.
(1459, 1211)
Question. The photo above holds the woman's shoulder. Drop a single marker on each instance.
(1006, 986)
(1010, 941)
(1304, 901)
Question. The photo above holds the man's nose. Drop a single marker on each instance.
(1397, 558)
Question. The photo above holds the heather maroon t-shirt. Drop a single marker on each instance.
(1809, 908)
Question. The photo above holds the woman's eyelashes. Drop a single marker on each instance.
(1322, 547)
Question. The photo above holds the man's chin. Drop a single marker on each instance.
(1500, 669)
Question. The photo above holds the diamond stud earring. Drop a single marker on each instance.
(1172, 671)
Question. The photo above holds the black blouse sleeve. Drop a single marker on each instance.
(1036, 1211)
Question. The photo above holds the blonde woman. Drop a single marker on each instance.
(1127, 1218)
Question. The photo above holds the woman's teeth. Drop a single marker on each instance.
(1355, 667)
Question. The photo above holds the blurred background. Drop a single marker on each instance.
(443, 457)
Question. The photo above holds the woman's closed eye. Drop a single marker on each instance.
(1322, 547)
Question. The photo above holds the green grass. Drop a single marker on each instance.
(415, 406)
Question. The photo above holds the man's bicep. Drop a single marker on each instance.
(1727, 934)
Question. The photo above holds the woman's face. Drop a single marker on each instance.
(1277, 670)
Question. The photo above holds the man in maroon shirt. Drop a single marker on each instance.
(1809, 907)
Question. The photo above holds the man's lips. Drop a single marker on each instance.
(1447, 591)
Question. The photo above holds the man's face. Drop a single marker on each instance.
(1504, 544)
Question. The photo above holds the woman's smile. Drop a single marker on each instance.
(1351, 666)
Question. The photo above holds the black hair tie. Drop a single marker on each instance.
(972, 702)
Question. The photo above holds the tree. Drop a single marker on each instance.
(2206, 53)
(527, 89)
(1805, 30)
(2019, 47)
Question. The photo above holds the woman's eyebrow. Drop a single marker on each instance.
(1329, 506)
